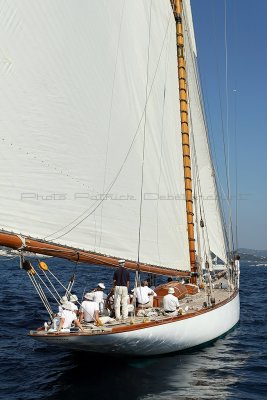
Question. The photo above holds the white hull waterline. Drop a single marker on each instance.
(183, 333)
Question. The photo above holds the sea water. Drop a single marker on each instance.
(232, 367)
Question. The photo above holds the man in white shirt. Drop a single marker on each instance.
(144, 295)
(73, 300)
(100, 296)
(67, 317)
(63, 300)
(171, 303)
(89, 311)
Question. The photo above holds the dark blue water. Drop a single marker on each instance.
(234, 367)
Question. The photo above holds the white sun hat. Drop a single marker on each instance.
(67, 306)
(63, 299)
(73, 298)
(171, 290)
(101, 285)
(89, 296)
(121, 261)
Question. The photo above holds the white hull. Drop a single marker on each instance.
(165, 338)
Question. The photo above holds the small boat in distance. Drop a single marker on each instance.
(106, 157)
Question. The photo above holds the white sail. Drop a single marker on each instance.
(204, 174)
(75, 103)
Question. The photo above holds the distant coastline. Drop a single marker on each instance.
(249, 255)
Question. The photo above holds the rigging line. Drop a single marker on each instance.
(162, 136)
(196, 183)
(202, 112)
(206, 243)
(223, 139)
(45, 285)
(58, 281)
(217, 199)
(51, 283)
(144, 139)
(236, 174)
(227, 120)
(97, 203)
(41, 294)
(110, 115)
(197, 207)
(231, 235)
(220, 98)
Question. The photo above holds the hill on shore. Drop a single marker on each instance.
(253, 255)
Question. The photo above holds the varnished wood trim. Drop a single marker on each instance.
(49, 249)
(145, 325)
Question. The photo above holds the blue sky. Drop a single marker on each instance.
(247, 106)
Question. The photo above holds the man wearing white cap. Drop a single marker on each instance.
(89, 311)
(121, 281)
(62, 300)
(144, 295)
(67, 317)
(100, 296)
(171, 303)
(73, 300)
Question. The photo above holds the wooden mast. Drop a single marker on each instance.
(177, 11)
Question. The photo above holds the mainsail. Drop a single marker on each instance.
(89, 94)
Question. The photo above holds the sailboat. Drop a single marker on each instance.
(105, 156)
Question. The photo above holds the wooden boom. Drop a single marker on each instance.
(49, 249)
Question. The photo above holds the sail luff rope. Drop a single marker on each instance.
(97, 203)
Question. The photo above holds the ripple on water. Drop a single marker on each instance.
(233, 367)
